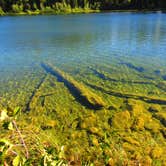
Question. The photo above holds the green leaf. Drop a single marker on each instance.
(10, 126)
(16, 161)
(16, 111)
(4, 146)
(4, 142)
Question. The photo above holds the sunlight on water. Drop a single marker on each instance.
(123, 52)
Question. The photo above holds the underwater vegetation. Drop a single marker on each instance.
(27, 105)
(106, 77)
(97, 99)
(130, 135)
(130, 65)
(91, 99)
(162, 85)
(133, 96)
(87, 118)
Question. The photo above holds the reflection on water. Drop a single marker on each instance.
(74, 43)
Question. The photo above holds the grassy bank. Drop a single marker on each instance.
(73, 11)
(50, 12)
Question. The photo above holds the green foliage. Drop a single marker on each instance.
(17, 8)
(1, 11)
(74, 6)
(8, 151)
(16, 111)
(5, 146)
(17, 161)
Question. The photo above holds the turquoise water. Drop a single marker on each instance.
(123, 46)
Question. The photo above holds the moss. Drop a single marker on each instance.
(91, 98)
(148, 150)
(155, 108)
(95, 141)
(108, 152)
(146, 160)
(162, 117)
(137, 110)
(121, 120)
(94, 130)
(156, 152)
(162, 85)
(49, 124)
(163, 131)
(138, 124)
(164, 162)
(131, 141)
(152, 125)
(100, 137)
(111, 162)
(128, 147)
(136, 156)
(88, 122)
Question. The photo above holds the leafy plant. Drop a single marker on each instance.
(9, 153)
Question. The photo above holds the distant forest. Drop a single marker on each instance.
(16, 6)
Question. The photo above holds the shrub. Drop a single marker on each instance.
(1, 12)
(17, 8)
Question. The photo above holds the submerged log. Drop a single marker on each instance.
(79, 91)
(103, 76)
(146, 99)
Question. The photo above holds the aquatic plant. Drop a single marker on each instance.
(162, 85)
(89, 98)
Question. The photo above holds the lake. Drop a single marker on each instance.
(115, 55)
(91, 88)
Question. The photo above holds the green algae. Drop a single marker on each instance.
(125, 130)
(133, 96)
(128, 129)
(89, 97)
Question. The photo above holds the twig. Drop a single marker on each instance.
(21, 138)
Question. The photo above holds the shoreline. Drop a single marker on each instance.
(83, 11)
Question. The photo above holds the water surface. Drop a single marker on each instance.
(127, 47)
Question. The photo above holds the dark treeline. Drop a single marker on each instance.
(16, 6)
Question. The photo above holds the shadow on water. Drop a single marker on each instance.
(74, 91)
